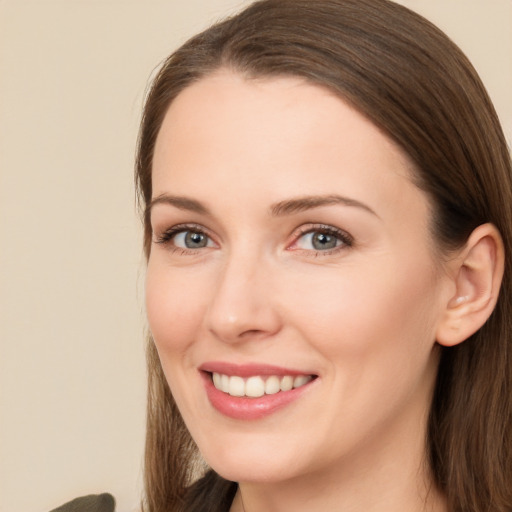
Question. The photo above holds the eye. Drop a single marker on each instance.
(186, 238)
(322, 239)
(191, 240)
(317, 241)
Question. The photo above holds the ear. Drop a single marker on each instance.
(477, 272)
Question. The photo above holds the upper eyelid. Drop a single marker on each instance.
(168, 233)
(185, 226)
(311, 228)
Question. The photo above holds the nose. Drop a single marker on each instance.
(242, 305)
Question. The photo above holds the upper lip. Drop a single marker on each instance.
(249, 369)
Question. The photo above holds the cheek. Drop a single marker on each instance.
(174, 306)
(385, 311)
(376, 331)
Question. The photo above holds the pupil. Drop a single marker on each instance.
(321, 241)
(194, 240)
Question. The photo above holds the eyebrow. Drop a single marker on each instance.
(180, 202)
(301, 204)
(282, 208)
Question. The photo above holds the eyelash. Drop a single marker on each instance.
(346, 240)
(167, 236)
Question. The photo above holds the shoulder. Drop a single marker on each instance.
(93, 503)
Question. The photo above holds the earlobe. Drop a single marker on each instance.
(477, 273)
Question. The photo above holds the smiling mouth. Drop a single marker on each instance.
(258, 386)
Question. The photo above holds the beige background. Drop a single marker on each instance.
(72, 78)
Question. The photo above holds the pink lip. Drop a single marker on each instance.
(248, 370)
(245, 408)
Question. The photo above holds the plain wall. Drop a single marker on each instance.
(72, 78)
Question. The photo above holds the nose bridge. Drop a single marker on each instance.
(241, 304)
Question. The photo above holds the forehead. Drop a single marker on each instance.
(267, 139)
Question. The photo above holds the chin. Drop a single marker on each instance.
(253, 463)
(255, 472)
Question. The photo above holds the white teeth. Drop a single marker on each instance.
(236, 386)
(224, 383)
(286, 383)
(272, 385)
(257, 386)
(301, 380)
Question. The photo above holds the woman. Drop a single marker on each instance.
(327, 207)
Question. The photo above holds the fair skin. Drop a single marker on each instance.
(348, 292)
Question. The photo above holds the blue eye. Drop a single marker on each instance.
(324, 239)
(186, 238)
(191, 240)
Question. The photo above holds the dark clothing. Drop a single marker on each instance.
(92, 503)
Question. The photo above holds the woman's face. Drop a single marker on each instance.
(290, 247)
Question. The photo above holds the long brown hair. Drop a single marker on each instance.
(408, 78)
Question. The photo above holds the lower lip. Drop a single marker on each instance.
(245, 408)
